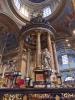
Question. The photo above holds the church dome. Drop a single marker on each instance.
(26, 9)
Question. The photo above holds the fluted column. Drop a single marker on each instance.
(38, 51)
(50, 50)
(55, 57)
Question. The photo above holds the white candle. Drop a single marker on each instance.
(3, 72)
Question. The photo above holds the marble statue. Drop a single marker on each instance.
(46, 58)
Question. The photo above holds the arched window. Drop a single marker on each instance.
(24, 11)
(46, 11)
(66, 60)
(17, 3)
(22, 8)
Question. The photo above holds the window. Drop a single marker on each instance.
(17, 3)
(64, 59)
(24, 11)
(46, 11)
(21, 8)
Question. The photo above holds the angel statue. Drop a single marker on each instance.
(46, 58)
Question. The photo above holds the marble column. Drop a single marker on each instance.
(22, 59)
(23, 66)
(73, 2)
(59, 81)
(38, 50)
(28, 64)
(50, 50)
(55, 57)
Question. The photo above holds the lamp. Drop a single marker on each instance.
(74, 32)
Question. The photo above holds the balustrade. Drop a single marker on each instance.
(38, 94)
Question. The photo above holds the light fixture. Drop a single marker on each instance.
(68, 45)
(66, 40)
(74, 32)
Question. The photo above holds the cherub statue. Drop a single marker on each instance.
(46, 58)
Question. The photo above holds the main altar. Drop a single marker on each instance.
(38, 76)
(38, 41)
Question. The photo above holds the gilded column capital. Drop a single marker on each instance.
(38, 34)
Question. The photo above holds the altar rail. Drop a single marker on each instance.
(38, 94)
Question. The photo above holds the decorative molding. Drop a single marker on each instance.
(37, 23)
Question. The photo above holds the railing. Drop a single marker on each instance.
(38, 94)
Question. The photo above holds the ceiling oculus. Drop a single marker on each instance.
(36, 1)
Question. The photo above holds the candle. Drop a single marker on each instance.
(3, 72)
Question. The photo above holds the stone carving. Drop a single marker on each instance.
(46, 58)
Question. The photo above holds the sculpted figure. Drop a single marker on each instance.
(46, 58)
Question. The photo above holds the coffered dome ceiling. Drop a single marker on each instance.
(26, 9)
